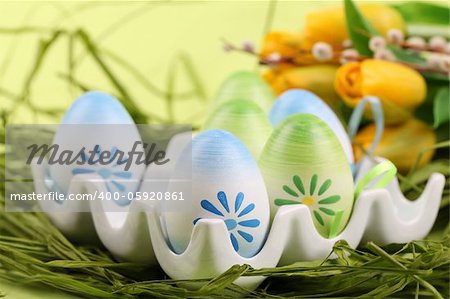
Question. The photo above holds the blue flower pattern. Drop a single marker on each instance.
(233, 219)
(105, 172)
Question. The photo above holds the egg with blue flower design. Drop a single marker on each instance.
(97, 134)
(226, 184)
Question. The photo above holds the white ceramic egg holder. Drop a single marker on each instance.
(380, 215)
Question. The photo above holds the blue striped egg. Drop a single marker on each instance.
(98, 122)
(227, 185)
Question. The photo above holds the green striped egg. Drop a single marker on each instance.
(245, 120)
(245, 85)
(303, 163)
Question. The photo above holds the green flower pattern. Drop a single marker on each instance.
(315, 198)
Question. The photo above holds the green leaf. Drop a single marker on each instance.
(358, 28)
(441, 109)
(424, 13)
(406, 56)
(436, 77)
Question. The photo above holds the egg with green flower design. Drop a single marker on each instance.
(303, 163)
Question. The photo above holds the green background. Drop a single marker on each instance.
(148, 35)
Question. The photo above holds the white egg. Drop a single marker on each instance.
(302, 101)
(99, 123)
(226, 184)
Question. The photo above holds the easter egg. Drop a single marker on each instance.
(303, 163)
(226, 184)
(248, 86)
(97, 124)
(302, 101)
(245, 120)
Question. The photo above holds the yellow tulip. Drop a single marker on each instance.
(329, 24)
(316, 78)
(400, 88)
(284, 43)
(401, 143)
(288, 45)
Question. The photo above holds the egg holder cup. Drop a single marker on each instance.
(135, 233)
